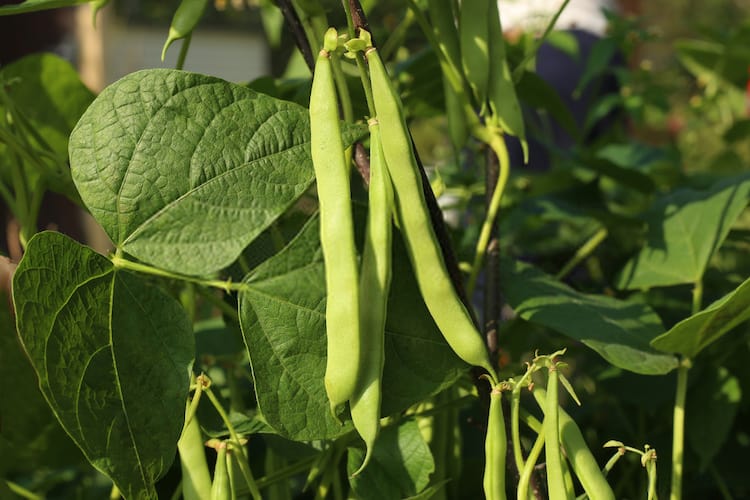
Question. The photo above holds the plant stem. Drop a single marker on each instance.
(528, 468)
(241, 461)
(21, 491)
(678, 429)
(697, 296)
(584, 251)
(122, 263)
(497, 143)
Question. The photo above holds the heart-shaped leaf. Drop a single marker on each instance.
(113, 355)
(619, 331)
(691, 335)
(184, 170)
(685, 228)
(282, 313)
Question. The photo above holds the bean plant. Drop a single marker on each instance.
(289, 309)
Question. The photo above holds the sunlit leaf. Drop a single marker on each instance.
(685, 228)
(184, 170)
(691, 335)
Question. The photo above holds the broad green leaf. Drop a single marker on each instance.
(400, 466)
(35, 5)
(282, 313)
(712, 406)
(619, 331)
(184, 170)
(113, 355)
(685, 228)
(691, 335)
(30, 436)
(48, 92)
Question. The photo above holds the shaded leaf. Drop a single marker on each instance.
(113, 356)
(535, 91)
(184, 170)
(282, 313)
(619, 331)
(685, 228)
(691, 335)
(400, 466)
(30, 436)
(712, 406)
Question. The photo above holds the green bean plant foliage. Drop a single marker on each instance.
(362, 282)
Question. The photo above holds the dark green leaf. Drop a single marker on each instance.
(711, 409)
(30, 436)
(619, 331)
(739, 131)
(282, 313)
(684, 230)
(536, 92)
(184, 170)
(691, 335)
(400, 466)
(113, 356)
(35, 5)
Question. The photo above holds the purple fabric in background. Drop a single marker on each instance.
(563, 72)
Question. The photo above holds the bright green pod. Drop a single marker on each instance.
(220, 489)
(336, 233)
(473, 31)
(375, 283)
(553, 457)
(581, 459)
(495, 447)
(184, 21)
(444, 304)
(505, 110)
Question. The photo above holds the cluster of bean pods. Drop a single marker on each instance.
(357, 296)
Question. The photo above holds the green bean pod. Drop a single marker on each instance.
(495, 447)
(475, 57)
(441, 299)
(581, 459)
(220, 486)
(184, 21)
(505, 110)
(336, 233)
(375, 283)
(553, 456)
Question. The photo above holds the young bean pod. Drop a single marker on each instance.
(582, 461)
(555, 481)
(495, 447)
(505, 110)
(220, 485)
(375, 283)
(336, 233)
(444, 304)
(184, 21)
(475, 57)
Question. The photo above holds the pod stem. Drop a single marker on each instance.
(294, 23)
